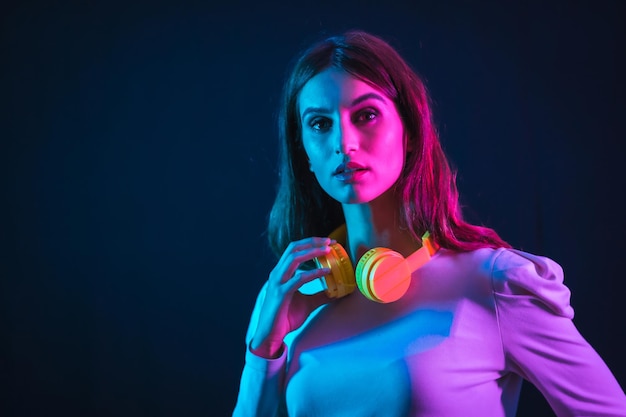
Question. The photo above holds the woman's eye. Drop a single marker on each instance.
(366, 116)
(320, 124)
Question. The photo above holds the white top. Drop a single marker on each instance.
(471, 326)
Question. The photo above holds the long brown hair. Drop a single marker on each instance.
(429, 199)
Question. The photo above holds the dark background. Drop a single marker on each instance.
(138, 159)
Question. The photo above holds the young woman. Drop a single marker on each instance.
(460, 328)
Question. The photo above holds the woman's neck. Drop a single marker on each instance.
(376, 224)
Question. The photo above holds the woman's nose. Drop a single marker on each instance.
(348, 140)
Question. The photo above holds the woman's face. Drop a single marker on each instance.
(352, 135)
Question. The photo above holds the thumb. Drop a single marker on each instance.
(316, 300)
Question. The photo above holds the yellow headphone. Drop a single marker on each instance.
(382, 275)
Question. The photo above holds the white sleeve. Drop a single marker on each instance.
(260, 387)
(542, 344)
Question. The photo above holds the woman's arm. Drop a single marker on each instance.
(261, 379)
(542, 344)
(280, 308)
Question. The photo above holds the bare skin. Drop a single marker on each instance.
(285, 309)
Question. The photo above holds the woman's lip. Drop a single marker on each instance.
(354, 166)
(348, 166)
(350, 175)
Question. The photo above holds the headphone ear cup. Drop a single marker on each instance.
(362, 273)
(340, 282)
(383, 275)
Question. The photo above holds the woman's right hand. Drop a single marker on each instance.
(284, 308)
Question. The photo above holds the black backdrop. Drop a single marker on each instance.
(138, 165)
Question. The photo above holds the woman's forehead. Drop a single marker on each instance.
(333, 88)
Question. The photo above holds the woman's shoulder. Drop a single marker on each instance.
(517, 273)
(512, 273)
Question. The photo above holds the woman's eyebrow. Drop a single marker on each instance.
(356, 101)
(366, 97)
(314, 110)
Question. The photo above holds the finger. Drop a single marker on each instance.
(300, 251)
(293, 261)
(302, 277)
(308, 243)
